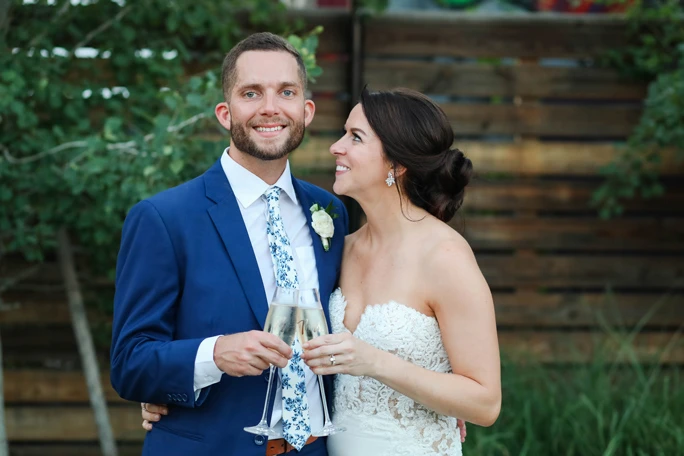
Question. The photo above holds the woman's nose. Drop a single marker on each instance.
(337, 148)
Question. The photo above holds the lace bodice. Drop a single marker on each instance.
(405, 426)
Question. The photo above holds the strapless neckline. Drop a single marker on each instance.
(370, 307)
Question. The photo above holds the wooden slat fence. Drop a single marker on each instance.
(536, 119)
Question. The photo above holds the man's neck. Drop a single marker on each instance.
(267, 170)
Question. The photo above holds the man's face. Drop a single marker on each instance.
(267, 109)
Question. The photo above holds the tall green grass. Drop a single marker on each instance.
(612, 405)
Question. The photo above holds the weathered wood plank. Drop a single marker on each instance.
(445, 33)
(579, 271)
(600, 121)
(568, 121)
(38, 308)
(532, 158)
(561, 195)
(39, 386)
(558, 195)
(566, 233)
(523, 158)
(489, 80)
(63, 424)
(581, 347)
(563, 310)
(49, 339)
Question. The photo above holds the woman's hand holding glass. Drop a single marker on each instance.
(350, 355)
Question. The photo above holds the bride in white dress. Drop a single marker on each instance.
(414, 340)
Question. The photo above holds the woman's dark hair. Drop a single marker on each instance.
(416, 134)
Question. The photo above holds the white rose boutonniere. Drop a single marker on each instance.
(322, 223)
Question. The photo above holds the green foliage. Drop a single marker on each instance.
(608, 406)
(584, 411)
(83, 139)
(658, 57)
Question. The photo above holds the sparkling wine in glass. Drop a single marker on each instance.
(282, 322)
(311, 324)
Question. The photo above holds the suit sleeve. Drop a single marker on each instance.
(147, 363)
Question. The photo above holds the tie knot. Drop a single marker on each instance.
(272, 194)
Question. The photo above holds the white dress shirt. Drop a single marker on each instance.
(249, 190)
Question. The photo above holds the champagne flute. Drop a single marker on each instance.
(311, 324)
(282, 322)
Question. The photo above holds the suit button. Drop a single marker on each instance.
(259, 440)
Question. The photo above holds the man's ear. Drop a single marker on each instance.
(222, 112)
(309, 110)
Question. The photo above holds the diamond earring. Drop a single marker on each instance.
(390, 179)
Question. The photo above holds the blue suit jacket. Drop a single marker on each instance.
(186, 271)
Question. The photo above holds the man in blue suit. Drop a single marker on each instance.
(195, 271)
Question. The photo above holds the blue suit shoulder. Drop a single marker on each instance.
(185, 197)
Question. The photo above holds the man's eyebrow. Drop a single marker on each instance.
(256, 85)
(253, 85)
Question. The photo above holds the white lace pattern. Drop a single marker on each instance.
(375, 413)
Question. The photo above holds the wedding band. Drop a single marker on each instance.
(142, 404)
(332, 360)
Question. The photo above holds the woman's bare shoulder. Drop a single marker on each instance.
(451, 268)
(445, 246)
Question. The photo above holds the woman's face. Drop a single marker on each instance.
(360, 160)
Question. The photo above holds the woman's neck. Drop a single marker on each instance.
(390, 218)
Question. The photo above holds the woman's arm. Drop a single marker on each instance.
(462, 302)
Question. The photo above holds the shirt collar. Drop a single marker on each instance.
(248, 187)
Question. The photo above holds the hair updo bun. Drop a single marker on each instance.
(416, 134)
(449, 185)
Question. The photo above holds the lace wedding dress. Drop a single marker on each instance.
(379, 420)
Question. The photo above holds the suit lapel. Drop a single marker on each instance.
(231, 227)
(324, 262)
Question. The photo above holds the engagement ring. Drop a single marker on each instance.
(332, 360)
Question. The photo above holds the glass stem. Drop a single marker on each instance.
(325, 402)
(268, 396)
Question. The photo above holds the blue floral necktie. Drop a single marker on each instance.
(296, 423)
